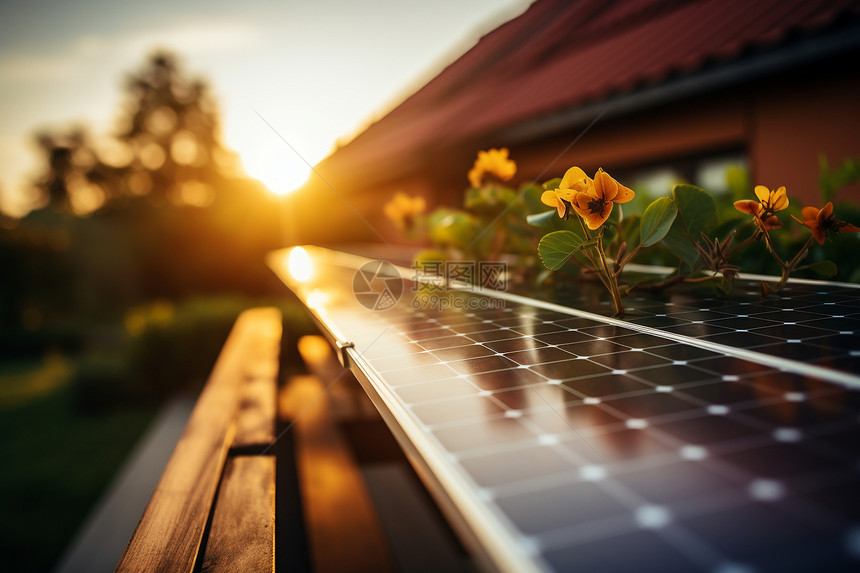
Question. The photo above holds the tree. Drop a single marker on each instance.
(173, 133)
(167, 149)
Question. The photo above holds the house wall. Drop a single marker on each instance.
(784, 123)
(796, 120)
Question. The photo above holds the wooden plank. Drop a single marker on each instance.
(169, 533)
(255, 421)
(343, 529)
(242, 534)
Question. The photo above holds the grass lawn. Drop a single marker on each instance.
(55, 460)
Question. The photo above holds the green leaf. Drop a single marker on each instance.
(696, 208)
(489, 200)
(557, 247)
(628, 230)
(722, 230)
(543, 220)
(677, 241)
(552, 184)
(530, 193)
(824, 268)
(657, 220)
(455, 228)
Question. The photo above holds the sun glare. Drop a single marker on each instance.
(299, 264)
(279, 170)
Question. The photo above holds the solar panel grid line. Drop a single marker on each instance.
(763, 310)
(697, 549)
(815, 371)
(482, 392)
(621, 471)
(631, 499)
(633, 393)
(744, 399)
(689, 540)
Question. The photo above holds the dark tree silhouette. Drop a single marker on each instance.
(172, 130)
(168, 148)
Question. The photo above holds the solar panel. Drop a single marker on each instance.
(678, 439)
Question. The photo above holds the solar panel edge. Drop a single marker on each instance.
(473, 520)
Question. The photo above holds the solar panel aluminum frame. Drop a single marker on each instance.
(492, 546)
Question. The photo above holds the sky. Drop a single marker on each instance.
(316, 70)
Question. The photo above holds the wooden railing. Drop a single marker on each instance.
(214, 507)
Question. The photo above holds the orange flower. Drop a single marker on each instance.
(770, 203)
(574, 180)
(493, 162)
(594, 202)
(754, 208)
(821, 222)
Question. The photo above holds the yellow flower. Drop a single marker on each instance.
(574, 180)
(492, 162)
(821, 221)
(770, 203)
(593, 199)
(402, 209)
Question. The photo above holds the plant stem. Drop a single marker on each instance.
(606, 276)
(770, 247)
(610, 278)
(586, 251)
(627, 258)
(751, 239)
(786, 268)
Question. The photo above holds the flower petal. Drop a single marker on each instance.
(779, 199)
(580, 203)
(475, 176)
(809, 214)
(762, 192)
(594, 220)
(771, 223)
(605, 187)
(572, 176)
(581, 199)
(747, 206)
(818, 233)
(624, 195)
(549, 198)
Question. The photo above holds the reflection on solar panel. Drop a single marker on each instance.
(647, 444)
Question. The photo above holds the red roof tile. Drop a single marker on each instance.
(559, 55)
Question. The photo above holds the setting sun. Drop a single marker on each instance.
(280, 170)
